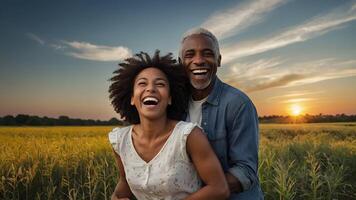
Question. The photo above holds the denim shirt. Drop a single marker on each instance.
(230, 121)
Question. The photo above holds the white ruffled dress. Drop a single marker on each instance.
(169, 175)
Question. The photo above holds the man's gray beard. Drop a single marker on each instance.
(201, 87)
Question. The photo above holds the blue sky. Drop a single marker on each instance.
(56, 56)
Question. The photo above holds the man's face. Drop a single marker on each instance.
(200, 60)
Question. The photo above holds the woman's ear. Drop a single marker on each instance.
(170, 101)
(132, 101)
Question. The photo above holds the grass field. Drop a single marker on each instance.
(303, 161)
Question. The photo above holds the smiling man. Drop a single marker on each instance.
(226, 114)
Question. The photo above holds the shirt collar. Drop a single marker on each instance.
(215, 93)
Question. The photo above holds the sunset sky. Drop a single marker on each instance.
(289, 56)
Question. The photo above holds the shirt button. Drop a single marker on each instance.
(204, 123)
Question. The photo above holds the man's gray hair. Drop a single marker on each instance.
(199, 31)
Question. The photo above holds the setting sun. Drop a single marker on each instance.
(296, 110)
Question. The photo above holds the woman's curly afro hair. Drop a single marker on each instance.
(121, 88)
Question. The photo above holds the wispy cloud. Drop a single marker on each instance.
(298, 100)
(233, 20)
(295, 94)
(58, 46)
(284, 80)
(35, 38)
(308, 30)
(295, 74)
(353, 7)
(260, 68)
(88, 51)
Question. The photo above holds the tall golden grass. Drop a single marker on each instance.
(307, 161)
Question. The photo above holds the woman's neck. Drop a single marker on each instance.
(152, 129)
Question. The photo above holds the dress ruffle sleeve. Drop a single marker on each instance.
(187, 128)
(114, 139)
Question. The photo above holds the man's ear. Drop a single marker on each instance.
(179, 60)
(219, 60)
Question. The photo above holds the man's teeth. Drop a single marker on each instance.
(199, 71)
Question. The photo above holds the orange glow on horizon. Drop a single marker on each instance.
(296, 110)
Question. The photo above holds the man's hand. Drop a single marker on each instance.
(234, 183)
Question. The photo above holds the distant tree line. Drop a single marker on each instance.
(321, 118)
(28, 120)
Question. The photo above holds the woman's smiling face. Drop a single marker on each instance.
(151, 94)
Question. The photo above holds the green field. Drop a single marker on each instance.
(303, 161)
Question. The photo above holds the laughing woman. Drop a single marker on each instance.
(159, 156)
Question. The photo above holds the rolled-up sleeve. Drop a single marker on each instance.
(243, 144)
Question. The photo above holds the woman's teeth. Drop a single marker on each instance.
(150, 101)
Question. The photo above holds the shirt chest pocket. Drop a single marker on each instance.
(218, 141)
(216, 135)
